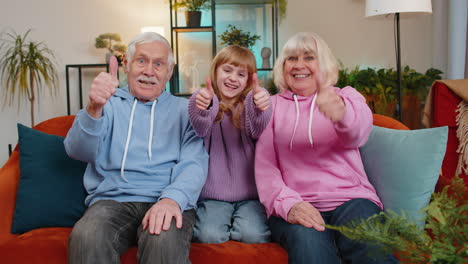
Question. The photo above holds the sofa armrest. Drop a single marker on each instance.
(9, 177)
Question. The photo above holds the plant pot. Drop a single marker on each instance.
(412, 111)
(193, 18)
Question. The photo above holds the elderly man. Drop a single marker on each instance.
(146, 166)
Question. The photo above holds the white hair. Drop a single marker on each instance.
(148, 37)
(307, 42)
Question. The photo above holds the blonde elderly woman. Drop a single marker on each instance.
(308, 168)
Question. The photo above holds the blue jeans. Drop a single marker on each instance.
(108, 228)
(307, 245)
(219, 221)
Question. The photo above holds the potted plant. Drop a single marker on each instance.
(116, 49)
(236, 36)
(24, 67)
(443, 240)
(282, 7)
(193, 10)
(379, 88)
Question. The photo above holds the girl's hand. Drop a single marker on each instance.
(260, 96)
(204, 97)
(328, 101)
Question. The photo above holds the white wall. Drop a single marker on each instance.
(356, 40)
(70, 27)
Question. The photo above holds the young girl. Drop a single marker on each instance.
(230, 114)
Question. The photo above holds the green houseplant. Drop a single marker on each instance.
(193, 10)
(236, 36)
(379, 88)
(24, 67)
(443, 240)
(117, 49)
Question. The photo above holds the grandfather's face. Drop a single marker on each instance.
(148, 71)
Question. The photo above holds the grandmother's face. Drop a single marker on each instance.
(300, 71)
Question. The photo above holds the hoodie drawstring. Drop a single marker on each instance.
(129, 135)
(150, 141)
(296, 122)
(311, 114)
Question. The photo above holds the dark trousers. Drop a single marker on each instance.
(307, 245)
(108, 228)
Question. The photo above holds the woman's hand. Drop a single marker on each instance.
(328, 101)
(306, 214)
(204, 97)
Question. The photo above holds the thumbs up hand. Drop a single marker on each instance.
(260, 96)
(102, 88)
(328, 101)
(204, 97)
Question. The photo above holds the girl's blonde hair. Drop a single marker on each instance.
(304, 42)
(239, 57)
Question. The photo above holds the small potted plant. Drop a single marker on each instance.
(25, 66)
(193, 10)
(116, 49)
(236, 36)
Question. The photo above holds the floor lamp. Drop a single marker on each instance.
(388, 7)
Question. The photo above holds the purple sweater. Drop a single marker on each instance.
(231, 150)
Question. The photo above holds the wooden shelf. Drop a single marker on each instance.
(238, 2)
(193, 29)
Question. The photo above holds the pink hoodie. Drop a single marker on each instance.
(304, 156)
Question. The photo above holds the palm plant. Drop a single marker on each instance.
(24, 67)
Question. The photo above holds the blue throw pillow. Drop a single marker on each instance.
(50, 190)
(403, 166)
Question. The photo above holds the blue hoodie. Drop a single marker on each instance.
(130, 166)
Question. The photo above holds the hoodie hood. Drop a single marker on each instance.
(124, 92)
(289, 95)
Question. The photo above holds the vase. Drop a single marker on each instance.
(266, 53)
(193, 18)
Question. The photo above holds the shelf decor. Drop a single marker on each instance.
(193, 12)
(236, 36)
(116, 49)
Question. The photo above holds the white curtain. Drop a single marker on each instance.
(457, 37)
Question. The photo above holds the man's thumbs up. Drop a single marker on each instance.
(204, 97)
(113, 66)
(328, 101)
(260, 96)
(102, 88)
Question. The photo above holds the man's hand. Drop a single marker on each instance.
(102, 88)
(328, 101)
(306, 214)
(204, 97)
(159, 216)
(261, 98)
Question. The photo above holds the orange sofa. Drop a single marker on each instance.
(49, 245)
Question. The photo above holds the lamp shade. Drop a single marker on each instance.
(384, 7)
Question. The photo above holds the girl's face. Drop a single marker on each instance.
(231, 80)
(300, 73)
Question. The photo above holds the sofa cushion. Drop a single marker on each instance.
(50, 191)
(49, 245)
(403, 166)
